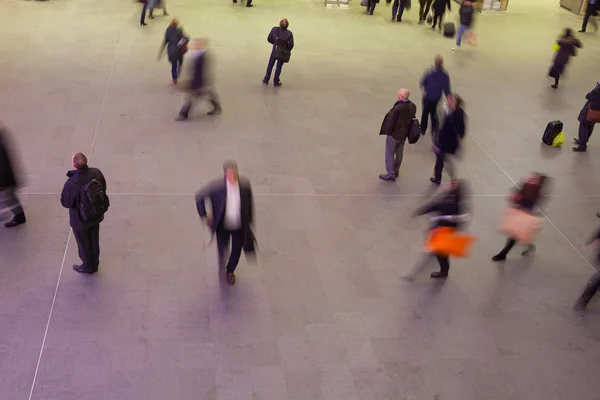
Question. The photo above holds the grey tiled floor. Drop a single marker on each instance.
(323, 313)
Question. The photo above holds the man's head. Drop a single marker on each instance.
(231, 171)
(284, 23)
(403, 94)
(174, 22)
(438, 62)
(79, 161)
(199, 44)
(454, 101)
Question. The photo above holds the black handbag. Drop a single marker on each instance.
(282, 53)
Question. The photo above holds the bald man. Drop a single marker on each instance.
(282, 40)
(84, 194)
(396, 126)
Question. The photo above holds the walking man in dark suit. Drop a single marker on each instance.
(435, 82)
(9, 183)
(232, 215)
(591, 10)
(84, 194)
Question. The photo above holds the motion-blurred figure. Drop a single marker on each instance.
(448, 141)
(282, 40)
(84, 194)
(232, 205)
(591, 10)
(398, 9)
(466, 12)
(176, 43)
(435, 82)
(451, 211)
(525, 198)
(371, 4)
(594, 283)
(396, 126)
(9, 182)
(586, 126)
(156, 4)
(567, 47)
(200, 83)
(424, 6)
(439, 9)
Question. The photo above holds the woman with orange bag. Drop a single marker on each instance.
(526, 198)
(451, 213)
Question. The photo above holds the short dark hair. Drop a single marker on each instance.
(458, 101)
(80, 160)
(284, 23)
(229, 164)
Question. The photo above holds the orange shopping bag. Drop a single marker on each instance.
(448, 242)
(520, 225)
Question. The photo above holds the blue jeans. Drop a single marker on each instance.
(270, 69)
(176, 67)
(143, 16)
(461, 31)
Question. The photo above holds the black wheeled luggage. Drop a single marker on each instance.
(552, 130)
(449, 29)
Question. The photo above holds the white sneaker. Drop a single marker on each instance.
(455, 48)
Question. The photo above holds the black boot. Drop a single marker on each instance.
(499, 257)
(17, 220)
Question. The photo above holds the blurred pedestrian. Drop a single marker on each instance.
(439, 9)
(424, 6)
(398, 8)
(594, 283)
(371, 6)
(567, 47)
(176, 43)
(466, 12)
(448, 141)
(200, 83)
(9, 182)
(435, 82)
(156, 4)
(282, 40)
(232, 205)
(248, 3)
(84, 194)
(587, 122)
(144, 8)
(396, 126)
(590, 11)
(451, 211)
(525, 198)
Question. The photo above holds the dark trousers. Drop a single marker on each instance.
(591, 10)
(398, 7)
(176, 67)
(437, 20)
(88, 243)
(237, 243)
(590, 290)
(429, 109)
(143, 16)
(440, 159)
(585, 132)
(510, 243)
(10, 201)
(424, 6)
(444, 262)
(192, 97)
(371, 6)
(272, 62)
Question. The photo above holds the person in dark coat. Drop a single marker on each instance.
(86, 232)
(156, 4)
(466, 12)
(176, 43)
(282, 40)
(424, 6)
(396, 126)
(591, 10)
(371, 6)
(568, 45)
(232, 215)
(593, 285)
(448, 141)
(434, 83)
(200, 81)
(398, 8)
(9, 182)
(587, 127)
(439, 9)
(144, 8)
(451, 210)
(526, 198)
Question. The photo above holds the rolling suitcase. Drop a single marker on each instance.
(552, 131)
(449, 29)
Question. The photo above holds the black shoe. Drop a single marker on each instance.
(265, 82)
(399, 20)
(143, 24)
(439, 274)
(247, 5)
(82, 270)
(435, 181)
(216, 111)
(234, 1)
(554, 86)
(386, 177)
(277, 84)
(499, 257)
(17, 220)
(582, 31)
(181, 118)
(396, 174)
(580, 149)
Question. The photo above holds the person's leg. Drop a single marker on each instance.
(441, 21)
(214, 100)
(269, 69)
(174, 70)
(222, 243)
(95, 246)
(395, 9)
(418, 267)
(390, 152)
(11, 202)
(590, 290)
(510, 242)
(179, 65)
(584, 134)
(237, 241)
(434, 118)
(187, 105)
(590, 130)
(422, 13)
(278, 68)
(401, 9)
(399, 152)
(444, 267)
(435, 20)
(438, 168)
(427, 7)
(143, 16)
(372, 7)
(424, 116)
(163, 5)
(82, 236)
(586, 18)
(461, 30)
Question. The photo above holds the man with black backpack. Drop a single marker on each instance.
(282, 40)
(84, 194)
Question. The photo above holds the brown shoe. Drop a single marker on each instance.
(231, 278)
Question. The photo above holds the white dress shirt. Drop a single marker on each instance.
(233, 208)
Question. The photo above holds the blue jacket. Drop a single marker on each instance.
(434, 83)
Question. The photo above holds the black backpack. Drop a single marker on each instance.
(93, 201)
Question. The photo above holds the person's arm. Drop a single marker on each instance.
(447, 85)
(101, 179)
(291, 42)
(391, 122)
(67, 197)
(271, 36)
(424, 79)
(162, 47)
(461, 126)
(201, 196)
